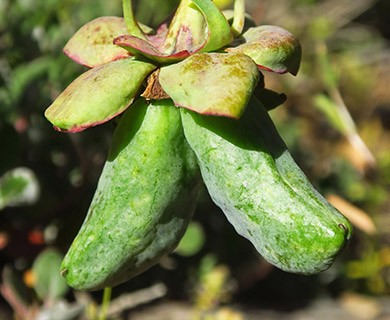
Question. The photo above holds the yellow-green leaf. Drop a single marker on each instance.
(218, 29)
(98, 95)
(92, 45)
(48, 284)
(211, 83)
(146, 48)
(187, 30)
(272, 48)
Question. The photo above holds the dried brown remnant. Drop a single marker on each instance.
(153, 88)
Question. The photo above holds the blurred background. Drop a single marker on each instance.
(336, 123)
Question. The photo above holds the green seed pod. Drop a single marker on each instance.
(144, 200)
(251, 176)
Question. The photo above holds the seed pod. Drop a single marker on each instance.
(251, 176)
(145, 198)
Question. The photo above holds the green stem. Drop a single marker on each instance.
(105, 303)
(131, 23)
(347, 127)
(238, 17)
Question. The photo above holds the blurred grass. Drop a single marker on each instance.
(345, 68)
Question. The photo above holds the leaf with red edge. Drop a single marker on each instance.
(185, 34)
(272, 48)
(98, 95)
(211, 83)
(187, 29)
(158, 38)
(137, 45)
(197, 26)
(92, 45)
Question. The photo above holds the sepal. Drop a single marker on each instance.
(98, 95)
(212, 83)
(272, 48)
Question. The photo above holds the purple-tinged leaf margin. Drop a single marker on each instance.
(211, 83)
(92, 45)
(271, 48)
(98, 95)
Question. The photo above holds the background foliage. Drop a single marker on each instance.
(336, 123)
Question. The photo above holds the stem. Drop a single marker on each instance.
(131, 23)
(349, 130)
(105, 303)
(238, 17)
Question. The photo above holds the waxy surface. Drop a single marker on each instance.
(144, 201)
(213, 83)
(272, 48)
(98, 95)
(251, 176)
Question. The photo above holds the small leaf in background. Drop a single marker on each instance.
(48, 283)
(25, 74)
(18, 187)
(192, 241)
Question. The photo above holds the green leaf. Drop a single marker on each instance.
(272, 48)
(211, 83)
(197, 26)
(98, 95)
(218, 28)
(192, 241)
(136, 45)
(26, 73)
(92, 45)
(48, 284)
(186, 31)
(18, 186)
(186, 34)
